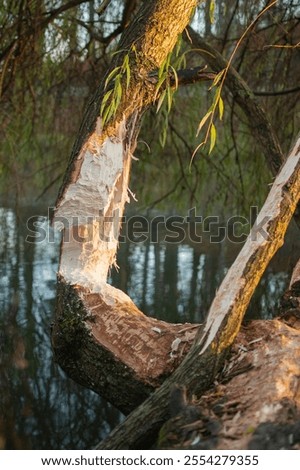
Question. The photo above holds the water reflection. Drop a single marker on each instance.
(40, 407)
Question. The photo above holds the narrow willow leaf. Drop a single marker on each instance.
(221, 108)
(203, 121)
(118, 88)
(163, 136)
(216, 97)
(161, 80)
(161, 70)
(118, 52)
(175, 77)
(169, 98)
(111, 76)
(160, 101)
(213, 137)
(218, 77)
(107, 114)
(104, 101)
(178, 45)
(125, 62)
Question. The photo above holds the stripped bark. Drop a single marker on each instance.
(199, 368)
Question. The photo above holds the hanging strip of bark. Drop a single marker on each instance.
(199, 368)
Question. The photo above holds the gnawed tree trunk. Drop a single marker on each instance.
(205, 359)
(100, 338)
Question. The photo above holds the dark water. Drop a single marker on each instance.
(40, 407)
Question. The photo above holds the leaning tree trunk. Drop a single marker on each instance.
(213, 340)
(100, 338)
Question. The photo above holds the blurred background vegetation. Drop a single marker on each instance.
(53, 54)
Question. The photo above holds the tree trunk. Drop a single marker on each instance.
(100, 338)
(255, 401)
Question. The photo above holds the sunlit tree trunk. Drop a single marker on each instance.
(100, 337)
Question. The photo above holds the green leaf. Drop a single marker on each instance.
(112, 74)
(218, 77)
(213, 137)
(175, 77)
(169, 98)
(160, 101)
(203, 121)
(108, 114)
(161, 80)
(178, 45)
(221, 108)
(128, 73)
(104, 101)
(163, 136)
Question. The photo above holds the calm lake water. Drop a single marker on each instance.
(40, 407)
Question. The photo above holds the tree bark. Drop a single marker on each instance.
(210, 349)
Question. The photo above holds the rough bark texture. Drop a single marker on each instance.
(199, 368)
(112, 348)
(255, 401)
